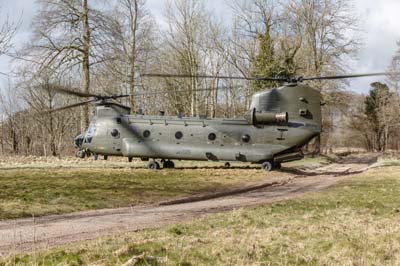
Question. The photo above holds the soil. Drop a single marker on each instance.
(29, 235)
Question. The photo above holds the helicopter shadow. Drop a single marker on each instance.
(216, 167)
(344, 172)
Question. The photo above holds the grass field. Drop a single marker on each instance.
(45, 187)
(27, 193)
(357, 222)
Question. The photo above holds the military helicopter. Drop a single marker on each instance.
(278, 124)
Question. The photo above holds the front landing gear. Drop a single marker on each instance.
(81, 154)
(153, 165)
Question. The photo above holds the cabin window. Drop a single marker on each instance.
(212, 136)
(146, 133)
(246, 138)
(114, 132)
(88, 140)
(178, 135)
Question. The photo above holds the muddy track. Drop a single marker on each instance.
(27, 235)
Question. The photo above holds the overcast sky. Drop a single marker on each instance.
(379, 20)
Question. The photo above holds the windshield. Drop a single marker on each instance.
(79, 140)
(90, 132)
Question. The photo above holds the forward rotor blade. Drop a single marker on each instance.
(69, 106)
(64, 90)
(214, 77)
(351, 76)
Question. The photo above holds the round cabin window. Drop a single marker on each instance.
(114, 132)
(178, 135)
(212, 136)
(246, 138)
(146, 133)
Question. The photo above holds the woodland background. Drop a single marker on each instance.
(100, 46)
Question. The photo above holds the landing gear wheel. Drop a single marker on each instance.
(277, 165)
(105, 157)
(168, 164)
(130, 159)
(80, 154)
(153, 165)
(227, 165)
(267, 166)
(95, 156)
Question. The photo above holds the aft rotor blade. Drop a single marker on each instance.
(69, 106)
(351, 76)
(214, 77)
(166, 91)
(68, 91)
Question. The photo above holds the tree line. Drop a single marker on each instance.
(104, 46)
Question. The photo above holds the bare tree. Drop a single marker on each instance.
(8, 30)
(63, 40)
(394, 83)
(9, 108)
(55, 126)
(185, 38)
(129, 44)
(326, 45)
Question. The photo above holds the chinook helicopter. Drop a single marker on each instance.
(278, 124)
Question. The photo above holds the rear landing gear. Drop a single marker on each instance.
(270, 165)
(227, 165)
(153, 165)
(168, 164)
(267, 166)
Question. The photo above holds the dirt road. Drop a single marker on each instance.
(26, 235)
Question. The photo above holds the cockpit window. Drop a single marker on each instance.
(90, 132)
(92, 128)
(79, 140)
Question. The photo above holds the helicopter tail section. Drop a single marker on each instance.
(300, 103)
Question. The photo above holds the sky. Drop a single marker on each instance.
(379, 22)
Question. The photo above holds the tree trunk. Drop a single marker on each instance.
(85, 61)
(134, 26)
(215, 100)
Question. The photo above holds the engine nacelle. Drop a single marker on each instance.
(266, 118)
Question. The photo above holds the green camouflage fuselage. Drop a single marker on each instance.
(114, 132)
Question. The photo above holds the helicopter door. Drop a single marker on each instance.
(115, 135)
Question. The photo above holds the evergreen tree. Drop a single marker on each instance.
(375, 108)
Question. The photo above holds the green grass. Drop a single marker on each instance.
(33, 192)
(38, 188)
(357, 222)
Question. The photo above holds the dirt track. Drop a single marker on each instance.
(50, 231)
